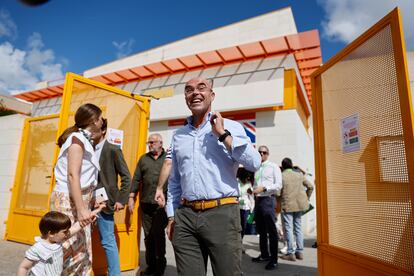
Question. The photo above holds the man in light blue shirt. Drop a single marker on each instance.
(202, 205)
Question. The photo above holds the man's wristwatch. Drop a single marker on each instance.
(264, 189)
(170, 218)
(224, 135)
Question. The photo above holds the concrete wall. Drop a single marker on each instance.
(11, 129)
(266, 26)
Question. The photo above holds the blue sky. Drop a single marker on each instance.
(44, 42)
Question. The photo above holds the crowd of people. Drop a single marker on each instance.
(191, 191)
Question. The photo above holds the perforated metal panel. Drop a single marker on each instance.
(37, 165)
(368, 197)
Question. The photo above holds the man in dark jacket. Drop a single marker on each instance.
(112, 164)
(154, 218)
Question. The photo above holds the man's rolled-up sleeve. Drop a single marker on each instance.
(242, 149)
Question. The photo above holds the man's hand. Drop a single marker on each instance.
(118, 206)
(170, 228)
(159, 197)
(258, 190)
(131, 204)
(217, 124)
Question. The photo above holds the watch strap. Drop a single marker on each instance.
(224, 135)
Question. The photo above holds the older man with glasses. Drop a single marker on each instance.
(154, 219)
(268, 181)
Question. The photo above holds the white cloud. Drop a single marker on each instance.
(347, 19)
(7, 26)
(42, 62)
(21, 69)
(123, 48)
(13, 74)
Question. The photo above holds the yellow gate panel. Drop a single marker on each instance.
(364, 156)
(126, 112)
(32, 181)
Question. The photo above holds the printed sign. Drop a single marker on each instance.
(350, 133)
(116, 137)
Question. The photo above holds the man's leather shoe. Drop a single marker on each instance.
(299, 255)
(289, 257)
(271, 265)
(260, 259)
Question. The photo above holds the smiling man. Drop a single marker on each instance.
(202, 205)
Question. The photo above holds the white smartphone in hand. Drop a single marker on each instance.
(100, 195)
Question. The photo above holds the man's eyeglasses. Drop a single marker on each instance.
(263, 152)
(152, 142)
(202, 87)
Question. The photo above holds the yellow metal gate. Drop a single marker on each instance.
(33, 177)
(126, 112)
(364, 148)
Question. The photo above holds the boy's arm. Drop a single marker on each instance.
(24, 267)
(76, 227)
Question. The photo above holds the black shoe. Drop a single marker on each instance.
(271, 265)
(260, 259)
(147, 272)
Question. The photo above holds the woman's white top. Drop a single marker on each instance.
(246, 201)
(89, 169)
(48, 258)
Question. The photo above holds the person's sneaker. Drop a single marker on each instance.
(271, 265)
(299, 255)
(288, 257)
(260, 259)
(283, 250)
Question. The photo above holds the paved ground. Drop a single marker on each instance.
(11, 254)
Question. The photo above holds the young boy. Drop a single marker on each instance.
(45, 257)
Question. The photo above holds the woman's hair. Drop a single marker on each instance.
(52, 222)
(299, 169)
(287, 163)
(244, 175)
(84, 116)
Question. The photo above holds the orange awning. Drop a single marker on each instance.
(305, 46)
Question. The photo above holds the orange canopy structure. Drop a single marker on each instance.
(304, 46)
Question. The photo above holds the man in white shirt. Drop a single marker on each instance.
(268, 181)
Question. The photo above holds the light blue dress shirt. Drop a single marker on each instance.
(203, 168)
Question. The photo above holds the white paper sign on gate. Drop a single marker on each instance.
(116, 137)
(350, 134)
